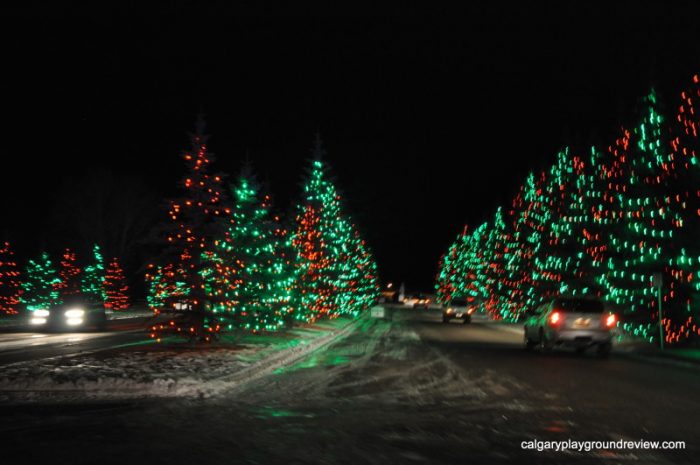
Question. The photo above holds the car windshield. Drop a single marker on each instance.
(459, 302)
(581, 305)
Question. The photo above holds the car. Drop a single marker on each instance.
(575, 322)
(74, 314)
(458, 308)
(420, 301)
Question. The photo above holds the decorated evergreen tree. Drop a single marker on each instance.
(642, 241)
(41, 286)
(328, 247)
(115, 287)
(601, 225)
(561, 258)
(449, 280)
(260, 295)
(195, 224)
(10, 286)
(93, 277)
(358, 278)
(496, 255)
(167, 287)
(683, 273)
(69, 274)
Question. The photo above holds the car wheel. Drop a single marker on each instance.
(445, 320)
(544, 345)
(467, 320)
(529, 344)
(604, 350)
(580, 350)
(102, 323)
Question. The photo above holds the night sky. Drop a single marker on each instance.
(431, 119)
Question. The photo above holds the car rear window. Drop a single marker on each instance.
(459, 302)
(581, 305)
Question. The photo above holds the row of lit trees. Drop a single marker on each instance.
(599, 222)
(230, 255)
(43, 285)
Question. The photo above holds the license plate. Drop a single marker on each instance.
(582, 322)
(458, 315)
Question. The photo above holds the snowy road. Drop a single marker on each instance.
(407, 391)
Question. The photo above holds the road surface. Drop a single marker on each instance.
(24, 345)
(410, 390)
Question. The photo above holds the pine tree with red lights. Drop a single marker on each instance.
(10, 285)
(192, 277)
(69, 274)
(115, 287)
(195, 222)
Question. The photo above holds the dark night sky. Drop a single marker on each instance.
(430, 119)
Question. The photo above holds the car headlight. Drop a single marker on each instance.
(39, 317)
(449, 310)
(75, 313)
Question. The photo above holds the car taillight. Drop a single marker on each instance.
(555, 318)
(610, 320)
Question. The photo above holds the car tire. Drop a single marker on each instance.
(102, 323)
(581, 350)
(466, 321)
(544, 345)
(529, 344)
(603, 350)
(445, 320)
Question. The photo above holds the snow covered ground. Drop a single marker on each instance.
(405, 390)
(147, 369)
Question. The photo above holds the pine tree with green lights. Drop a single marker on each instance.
(561, 263)
(10, 285)
(358, 277)
(41, 286)
(328, 248)
(93, 277)
(473, 266)
(167, 287)
(261, 294)
(642, 240)
(497, 256)
(449, 279)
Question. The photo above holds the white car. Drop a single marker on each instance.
(458, 308)
(570, 322)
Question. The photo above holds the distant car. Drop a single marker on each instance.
(458, 308)
(421, 301)
(75, 314)
(580, 323)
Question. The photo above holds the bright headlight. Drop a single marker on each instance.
(41, 313)
(75, 313)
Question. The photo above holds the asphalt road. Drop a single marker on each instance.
(410, 390)
(22, 345)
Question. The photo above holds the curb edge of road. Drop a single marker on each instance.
(276, 360)
(659, 360)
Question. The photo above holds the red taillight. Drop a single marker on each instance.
(554, 318)
(610, 321)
